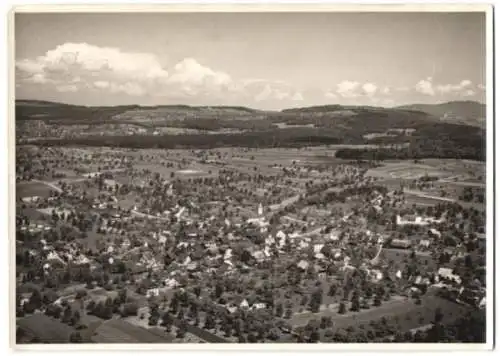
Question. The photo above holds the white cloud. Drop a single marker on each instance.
(30, 66)
(87, 66)
(469, 92)
(190, 73)
(75, 67)
(465, 83)
(101, 84)
(481, 87)
(132, 89)
(330, 95)
(454, 88)
(369, 88)
(106, 69)
(348, 89)
(297, 97)
(39, 78)
(425, 87)
(273, 91)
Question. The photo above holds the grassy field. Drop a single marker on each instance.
(405, 314)
(29, 189)
(455, 171)
(399, 256)
(117, 331)
(364, 315)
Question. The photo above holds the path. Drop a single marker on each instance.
(285, 203)
(149, 216)
(423, 195)
(375, 259)
(465, 184)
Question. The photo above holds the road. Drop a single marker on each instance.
(423, 195)
(285, 203)
(465, 184)
(149, 216)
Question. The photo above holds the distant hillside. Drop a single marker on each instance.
(417, 127)
(52, 111)
(58, 112)
(460, 112)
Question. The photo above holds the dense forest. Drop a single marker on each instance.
(265, 139)
(472, 148)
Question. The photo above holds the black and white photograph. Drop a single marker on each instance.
(251, 177)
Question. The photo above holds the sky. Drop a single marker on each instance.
(260, 60)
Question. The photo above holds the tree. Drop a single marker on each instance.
(333, 290)
(67, 315)
(342, 308)
(76, 318)
(227, 330)
(438, 315)
(279, 310)
(129, 309)
(122, 295)
(181, 331)
(36, 299)
(303, 300)
(197, 291)
(316, 299)
(209, 322)
(219, 289)
(252, 338)
(288, 313)
(75, 338)
(91, 306)
(314, 336)
(355, 306)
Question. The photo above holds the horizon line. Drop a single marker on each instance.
(251, 108)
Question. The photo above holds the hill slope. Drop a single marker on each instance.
(460, 112)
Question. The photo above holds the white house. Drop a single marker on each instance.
(244, 304)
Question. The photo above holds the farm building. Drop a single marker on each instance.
(32, 199)
(447, 274)
(400, 243)
(425, 243)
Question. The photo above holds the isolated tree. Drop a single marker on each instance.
(279, 310)
(333, 290)
(342, 308)
(316, 299)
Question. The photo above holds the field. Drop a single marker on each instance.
(399, 256)
(445, 169)
(404, 314)
(118, 331)
(29, 189)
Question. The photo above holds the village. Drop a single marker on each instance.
(235, 245)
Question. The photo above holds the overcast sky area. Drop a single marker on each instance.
(264, 61)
